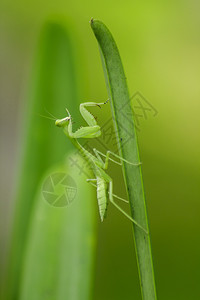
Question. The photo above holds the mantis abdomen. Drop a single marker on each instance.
(102, 197)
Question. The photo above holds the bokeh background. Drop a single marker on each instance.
(159, 43)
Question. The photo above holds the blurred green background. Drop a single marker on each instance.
(159, 43)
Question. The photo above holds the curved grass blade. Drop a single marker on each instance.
(124, 124)
(59, 256)
(53, 86)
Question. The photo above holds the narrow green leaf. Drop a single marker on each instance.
(128, 148)
(60, 250)
(53, 87)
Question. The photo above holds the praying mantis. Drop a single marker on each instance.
(104, 183)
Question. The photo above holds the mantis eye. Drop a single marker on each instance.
(58, 123)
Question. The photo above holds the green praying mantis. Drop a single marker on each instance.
(104, 183)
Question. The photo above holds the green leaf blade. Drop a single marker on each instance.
(60, 251)
(124, 124)
(52, 87)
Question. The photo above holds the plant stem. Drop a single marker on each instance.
(128, 148)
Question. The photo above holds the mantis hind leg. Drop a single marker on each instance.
(91, 180)
(107, 158)
(96, 152)
(120, 209)
(115, 196)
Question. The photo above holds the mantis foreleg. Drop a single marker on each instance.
(87, 116)
(91, 131)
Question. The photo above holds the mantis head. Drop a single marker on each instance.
(63, 122)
